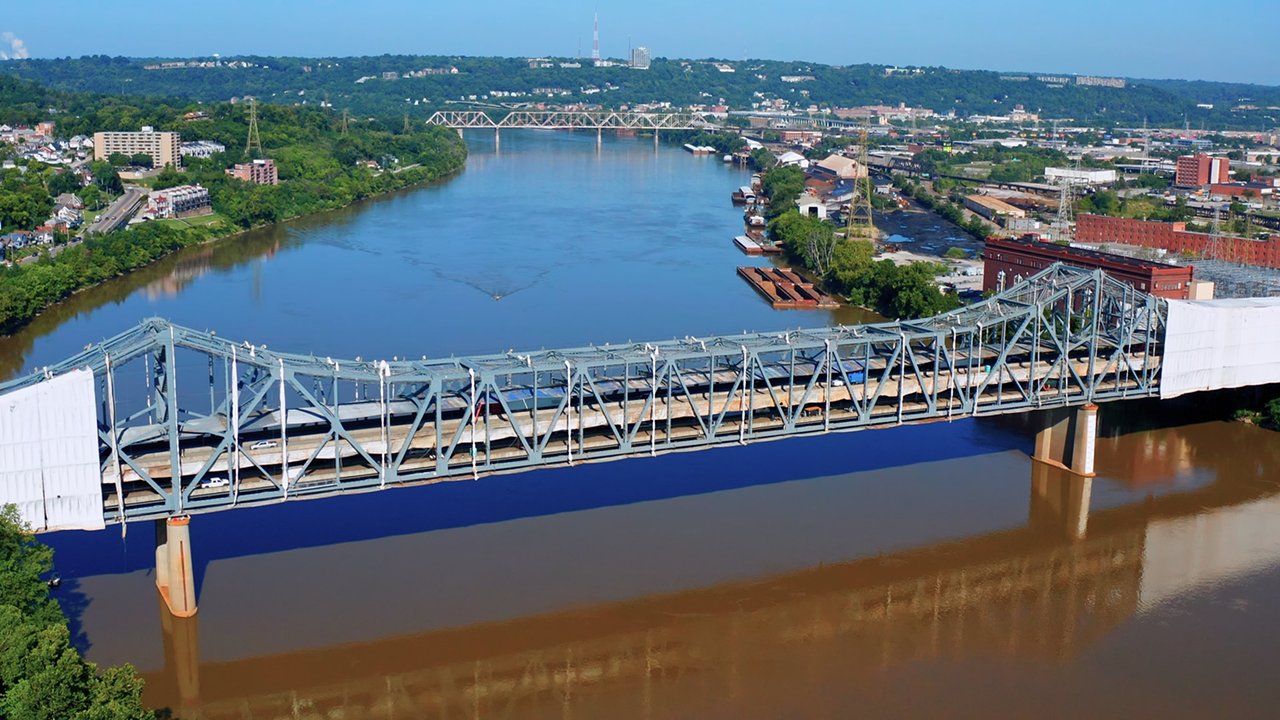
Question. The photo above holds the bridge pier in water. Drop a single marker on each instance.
(175, 577)
(1068, 439)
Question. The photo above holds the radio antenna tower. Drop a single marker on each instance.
(254, 141)
(861, 221)
(595, 40)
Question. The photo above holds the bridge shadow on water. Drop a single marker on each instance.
(413, 510)
(403, 511)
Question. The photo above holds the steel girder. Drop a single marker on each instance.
(565, 120)
(215, 424)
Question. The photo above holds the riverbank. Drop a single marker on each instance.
(28, 290)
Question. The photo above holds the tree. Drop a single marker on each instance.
(118, 159)
(141, 159)
(168, 177)
(819, 247)
(63, 182)
(106, 177)
(23, 207)
(42, 677)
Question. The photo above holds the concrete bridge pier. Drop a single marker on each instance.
(599, 138)
(655, 140)
(497, 139)
(1068, 439)
(174, 575)
(182, 654)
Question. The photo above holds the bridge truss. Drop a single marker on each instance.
(191, 422)
(568, 120)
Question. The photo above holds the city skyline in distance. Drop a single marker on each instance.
(1139, 39)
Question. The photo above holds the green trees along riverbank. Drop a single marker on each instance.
(847, 265)
(323, 162)
(42, 676)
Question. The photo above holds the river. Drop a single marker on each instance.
(912, 572)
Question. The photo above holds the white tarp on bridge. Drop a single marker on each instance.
(1215, 344)
(49, 453)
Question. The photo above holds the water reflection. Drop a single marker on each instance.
(168, 277)
(1049, 590)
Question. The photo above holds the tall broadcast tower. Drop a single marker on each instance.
(595, 40)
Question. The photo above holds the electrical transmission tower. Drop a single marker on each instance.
(1213, 248)
(254, 141)
(1066, 198)
(861, 221)
(345, 115)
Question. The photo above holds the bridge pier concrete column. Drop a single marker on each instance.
(174, 575)
(599, 138)
(1068, 439)
(497, 139)
(655, 139)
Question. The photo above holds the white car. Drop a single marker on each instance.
(214, 481)
(264, 445)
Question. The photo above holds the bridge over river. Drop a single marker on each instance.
(598, 120)
(164, 422)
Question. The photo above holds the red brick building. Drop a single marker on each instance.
(1009, 259)
(261, 172)
(1241, 191)
(1175, 238)
(1198, 170)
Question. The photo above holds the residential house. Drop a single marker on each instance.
(69, 200)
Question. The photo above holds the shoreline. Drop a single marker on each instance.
(25, 323)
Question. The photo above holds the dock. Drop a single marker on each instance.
(784, 288)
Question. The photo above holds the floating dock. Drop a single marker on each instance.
(784, 288)
(756, 245)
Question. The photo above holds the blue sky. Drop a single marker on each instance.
(1134, 38)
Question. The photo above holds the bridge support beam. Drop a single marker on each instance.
(599, 138)
(1068, 439)
(497, 139)
(174, 575)
(655, 139)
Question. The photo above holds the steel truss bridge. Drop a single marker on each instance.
(190, 422)
(568, 120)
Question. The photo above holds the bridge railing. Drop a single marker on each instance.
(191, 422)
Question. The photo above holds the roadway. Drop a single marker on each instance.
(120, 211)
